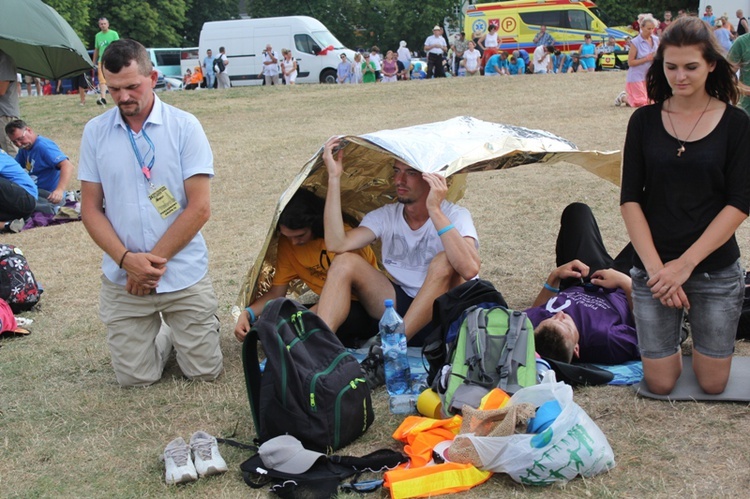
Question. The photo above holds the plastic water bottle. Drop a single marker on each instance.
(397, 372)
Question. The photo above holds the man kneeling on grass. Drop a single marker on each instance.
(429, 246)
(584, 312)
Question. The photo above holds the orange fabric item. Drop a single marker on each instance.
(495, 399)
(446, 478)
(421, 435)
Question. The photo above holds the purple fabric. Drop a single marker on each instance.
(604, 320)
(43, 220)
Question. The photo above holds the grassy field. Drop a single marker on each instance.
(68, 430)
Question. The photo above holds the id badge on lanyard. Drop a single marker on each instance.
(163, 200)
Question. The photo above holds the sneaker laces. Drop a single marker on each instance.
(179, 454)
(202, 447)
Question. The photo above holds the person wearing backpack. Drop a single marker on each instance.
(584, 311)
(429, 246)
(220, 65)
(302, 254)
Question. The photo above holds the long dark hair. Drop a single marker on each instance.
(684, 32)
(304, 210)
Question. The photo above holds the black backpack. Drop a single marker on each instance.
(219, 64)
(311, 387)
(448, 313)
(18, 286)
(743, 326)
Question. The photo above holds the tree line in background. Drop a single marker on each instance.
(624, 13)
(356, 23)
(154, 23)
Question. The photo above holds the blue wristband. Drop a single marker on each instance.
(252, 315)
(445, 229)
(550, 288)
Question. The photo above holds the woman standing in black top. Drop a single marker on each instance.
(685, 190)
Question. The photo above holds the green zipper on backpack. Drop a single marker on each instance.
(328, 370)
(306, 335)
(337, 409)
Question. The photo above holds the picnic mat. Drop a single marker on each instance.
(738, 388)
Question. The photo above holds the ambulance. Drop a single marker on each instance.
(518, 22)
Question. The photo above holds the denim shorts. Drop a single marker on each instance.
(715, 305)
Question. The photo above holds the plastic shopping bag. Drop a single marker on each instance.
(572, 445)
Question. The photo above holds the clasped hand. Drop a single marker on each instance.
(666, 284)
(144, 272)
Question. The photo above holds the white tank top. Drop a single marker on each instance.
(287, 65)
(490, 40)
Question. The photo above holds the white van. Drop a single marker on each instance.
(168, 60)
(245, 41)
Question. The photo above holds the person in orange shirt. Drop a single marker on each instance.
(195, 80)
(302, 255)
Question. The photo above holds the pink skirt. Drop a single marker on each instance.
(637, 95)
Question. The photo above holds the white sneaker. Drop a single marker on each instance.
(206, 455)
(620, 99)
(179, 464)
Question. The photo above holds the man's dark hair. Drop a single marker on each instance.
(550, 49)
(122, 53)
(15, 125)
(550, 344)
(304, 210)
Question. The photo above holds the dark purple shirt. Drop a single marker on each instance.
(604, 321)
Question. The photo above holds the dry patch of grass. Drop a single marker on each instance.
(68, 430)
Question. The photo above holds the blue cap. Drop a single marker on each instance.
(545, 416)
(388, 303)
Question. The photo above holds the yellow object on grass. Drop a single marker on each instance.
(446, 478)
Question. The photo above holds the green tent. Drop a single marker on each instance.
(40, 41)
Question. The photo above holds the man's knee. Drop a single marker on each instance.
(345, 265)
(440, 268)
(134, 380)
(576, 211)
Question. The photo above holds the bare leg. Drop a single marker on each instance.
(350, 273)
(661, 374)
(712, 373)
(440, 278)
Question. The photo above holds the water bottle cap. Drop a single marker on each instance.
(388, 303)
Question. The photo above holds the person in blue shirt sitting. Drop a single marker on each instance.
(17, 194)
(47, 165)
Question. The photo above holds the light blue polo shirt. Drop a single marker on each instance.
(181, 150)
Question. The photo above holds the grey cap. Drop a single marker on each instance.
(286, 454)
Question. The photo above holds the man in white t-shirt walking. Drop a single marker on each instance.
(435, 47)
(428, 246)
